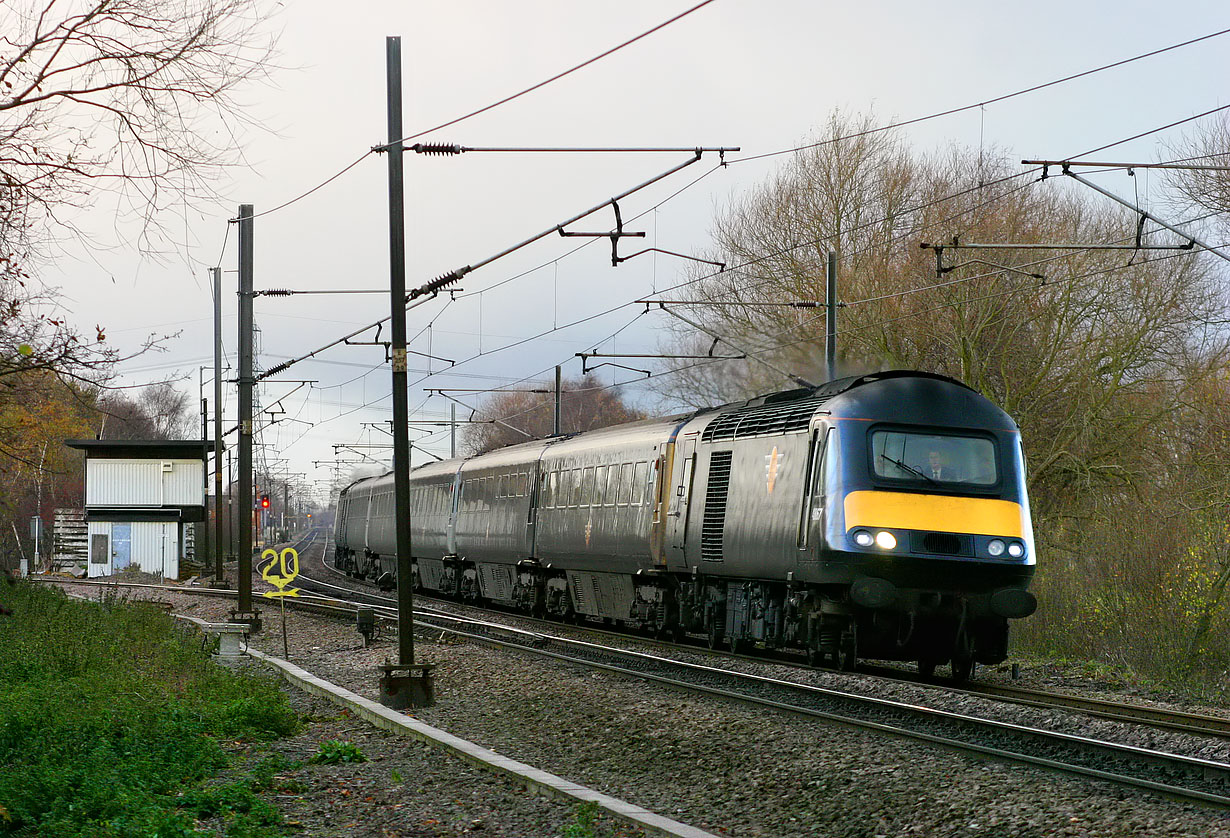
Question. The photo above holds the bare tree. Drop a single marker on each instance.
(584, 405)
(158, 411)
(1112, 362)
(119, 94)
(1203, 189)
(129, 96)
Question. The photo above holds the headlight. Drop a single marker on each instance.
(995, 547)
(886, 540)
(1016, 549)
(863, 538)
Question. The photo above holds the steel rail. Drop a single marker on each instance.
(532, 642)
(1177, 721)
(1187, 765)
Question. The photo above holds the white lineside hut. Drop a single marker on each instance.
(139, 494)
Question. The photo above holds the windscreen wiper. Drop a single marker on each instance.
(910, 469)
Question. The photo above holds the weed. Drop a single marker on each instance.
(335, 751)
(585, 819)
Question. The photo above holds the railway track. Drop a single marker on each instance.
(1174, 721)
(1176, 776)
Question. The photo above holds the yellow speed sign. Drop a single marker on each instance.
(279, 570)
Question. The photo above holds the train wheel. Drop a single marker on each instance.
(926, 669)
(962, 668)
(847, 652)
(715, 636)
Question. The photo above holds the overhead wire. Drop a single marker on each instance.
(985, 102)
(914, 209)
(819, 240)
(491, 106)
(763, 258)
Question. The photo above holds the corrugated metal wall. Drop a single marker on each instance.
(123, 483)
(181, 486)
(155, 548)
(143, 483)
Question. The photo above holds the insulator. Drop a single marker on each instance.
(442, 280)
(436, 148)
(278, 292)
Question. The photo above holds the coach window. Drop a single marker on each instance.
(587, 486)
(599, 486)
(638, 484)
(626, 482)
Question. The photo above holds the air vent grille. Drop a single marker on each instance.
(716, 494)
(778, 418)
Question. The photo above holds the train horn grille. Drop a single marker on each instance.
(943, 544)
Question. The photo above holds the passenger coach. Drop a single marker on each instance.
(877, 516)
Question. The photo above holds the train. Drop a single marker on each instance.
(880, 516)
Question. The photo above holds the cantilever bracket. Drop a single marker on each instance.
(586, 369)
(614, 235)
(585, 356)
(721, 266)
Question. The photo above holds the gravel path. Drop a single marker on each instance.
(729, 769)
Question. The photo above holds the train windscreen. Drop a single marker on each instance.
(930, 458)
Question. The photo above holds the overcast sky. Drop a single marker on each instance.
(759, 75)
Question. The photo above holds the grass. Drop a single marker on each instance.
(113, 720)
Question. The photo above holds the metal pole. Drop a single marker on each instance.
(38, 528)
(401, 403)
(452, 434)
(219, 570)
(556, 425)
(201, 546)
(830, 320)
(230, 505)
(246, 384)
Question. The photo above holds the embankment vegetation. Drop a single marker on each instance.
(114, 722)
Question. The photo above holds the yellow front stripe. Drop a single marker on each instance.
(938, 513)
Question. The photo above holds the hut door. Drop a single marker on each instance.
(121, 546)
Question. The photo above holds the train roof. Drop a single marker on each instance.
(907, 396)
